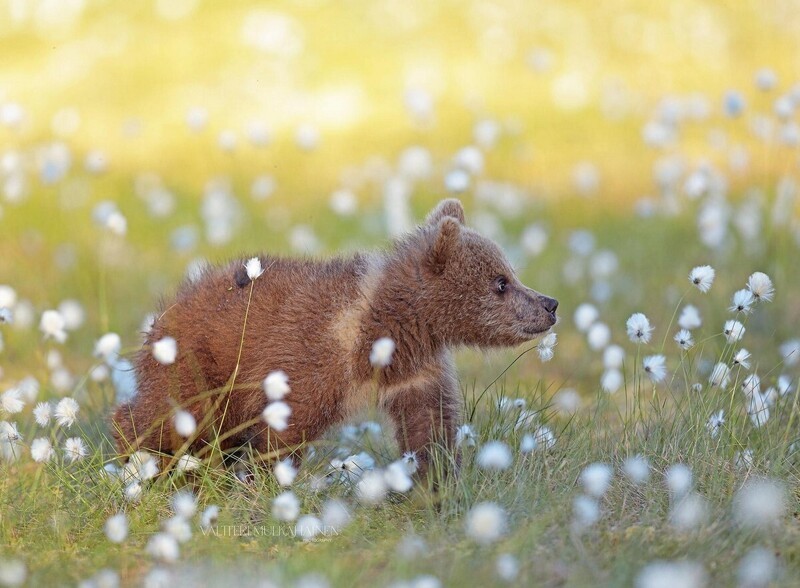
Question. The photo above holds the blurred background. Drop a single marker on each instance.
(140, 139)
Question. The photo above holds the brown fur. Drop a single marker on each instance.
(434, 290)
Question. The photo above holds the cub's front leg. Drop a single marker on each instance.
(426, 412)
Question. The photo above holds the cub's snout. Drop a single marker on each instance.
(550, 305)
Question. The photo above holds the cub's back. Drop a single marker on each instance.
(289, 310)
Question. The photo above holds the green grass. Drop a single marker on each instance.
(54, 515)
(121, 64)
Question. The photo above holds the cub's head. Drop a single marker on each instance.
(473, 296)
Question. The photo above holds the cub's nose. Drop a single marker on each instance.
(550, 304)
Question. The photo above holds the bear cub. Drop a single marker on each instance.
(440, 287)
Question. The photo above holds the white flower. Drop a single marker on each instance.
(758, 410)
(637, 469)
(495, 455)
(6, 318)
(596, 479)
(165, 350)
(410, 462)
(371, 488)
(784, 384)
(10, 441)
(286, 506)
(184, 423)
(357, 464)
(277, 414)
(52, 324)
(598, 336)
(684, 339)
(759, 567)
(73, 314)
(108, 346)
(689, 512)
(285, 472)
(9, 432)
(743, 460)
(668, 574)
(465, 435)
(8, 296)
(585, 512)
(178, 527)
(308, 527)
(742, 358)
(397, 478)
(158, 577)
(771, 395)
(760, 285)
(546, 345)
(689, 318)
(253, 268)
(343, 202)
(679, 479)
(184, 504)
(567, 401)
(585, 316)
(790, 352)
(12, 572)
(654, 366)
(760, 503)
(42, 450)
(276, 385)
(719, 375)
(742, 301)
(209, 516)
(133, 492)
(28, 388)
(116, 528)
(187, 463)
(486, 522)
(542, 438)
(702, 277)
(382, 350)
(507, 567)
(164, 547)
(613, 357)
(751, 385)
(74, 449)
(612, 380)
(715, 422)
(639, 329)
(117, 223)
(526, 418)
(141, 466)
(733, 330)
(66, 411)
(765, 79)
(99, 373)
(11, 401)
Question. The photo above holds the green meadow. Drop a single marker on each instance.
(610, 148)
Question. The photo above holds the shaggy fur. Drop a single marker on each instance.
(441, 287)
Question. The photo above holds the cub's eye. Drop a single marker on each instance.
(501, 284)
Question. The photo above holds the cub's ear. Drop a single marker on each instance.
(449, 207)
(445, 243)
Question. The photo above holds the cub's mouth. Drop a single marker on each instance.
(534, 330)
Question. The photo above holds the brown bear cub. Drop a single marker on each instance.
(440, 287)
